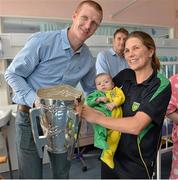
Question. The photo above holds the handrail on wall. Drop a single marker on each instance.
(168, 68)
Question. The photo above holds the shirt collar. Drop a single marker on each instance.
(144, 83)
(112, 51)
(147, 81)
(65, 41)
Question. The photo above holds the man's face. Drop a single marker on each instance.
(119, 43)
(85, 22)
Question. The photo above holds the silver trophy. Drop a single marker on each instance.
(59, 121)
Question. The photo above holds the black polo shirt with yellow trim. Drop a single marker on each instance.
(152, 97)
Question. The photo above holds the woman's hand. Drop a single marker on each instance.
(90, 114)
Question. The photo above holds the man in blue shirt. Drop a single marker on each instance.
(112, 61)
(47, 59)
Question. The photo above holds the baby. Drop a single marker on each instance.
(107, 99)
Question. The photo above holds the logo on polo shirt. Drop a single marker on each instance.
(135, 106)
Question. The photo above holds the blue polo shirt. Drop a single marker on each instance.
(110, 62)
(47, 59)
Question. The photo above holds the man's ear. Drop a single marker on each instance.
(74, 15)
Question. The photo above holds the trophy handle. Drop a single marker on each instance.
(40, 141)
(73, 126)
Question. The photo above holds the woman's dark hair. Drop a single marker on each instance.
(148, 41)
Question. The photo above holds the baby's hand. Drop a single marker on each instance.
(102, 99)
(110, 106)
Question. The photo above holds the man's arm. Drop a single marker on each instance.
(18, 71)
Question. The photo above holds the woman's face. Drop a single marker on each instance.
(138, 56)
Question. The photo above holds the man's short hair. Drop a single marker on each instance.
(121, 30)
(91, 3)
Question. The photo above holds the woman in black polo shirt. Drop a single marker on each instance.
(147, 96)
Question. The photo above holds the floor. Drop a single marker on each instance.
(78, 170)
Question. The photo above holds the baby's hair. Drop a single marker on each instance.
(102, 74)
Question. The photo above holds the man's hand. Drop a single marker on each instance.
(78, 105)
(37, 103)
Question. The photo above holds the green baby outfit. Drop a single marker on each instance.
(100, 133)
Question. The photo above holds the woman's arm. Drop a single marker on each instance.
(174, 116)
(131, 125)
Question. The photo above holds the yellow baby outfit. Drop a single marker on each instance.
(117, 96)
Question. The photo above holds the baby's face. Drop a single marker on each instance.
(104, 83)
